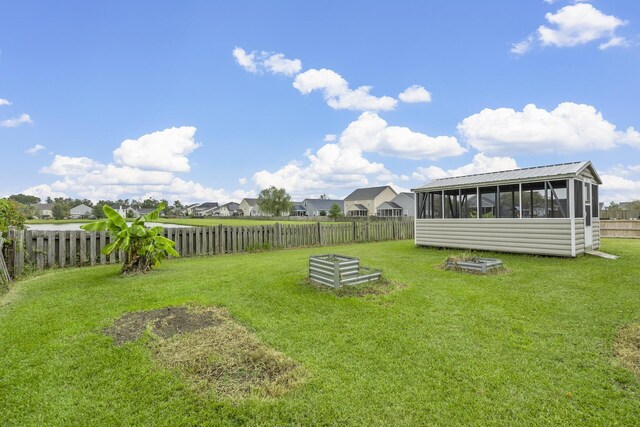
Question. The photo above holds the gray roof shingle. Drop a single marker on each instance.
(367, 193)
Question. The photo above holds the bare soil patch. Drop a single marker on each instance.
(211, 350)
(626, 347)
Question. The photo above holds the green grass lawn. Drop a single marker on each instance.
(531, 347)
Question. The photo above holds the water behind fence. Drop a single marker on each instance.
(42, 249)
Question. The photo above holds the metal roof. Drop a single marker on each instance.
(524, 174)
(367, 193)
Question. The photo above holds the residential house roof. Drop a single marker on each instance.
(367, 193)
(251, 201)
(44, 206)
(324, 204)
(563, 170)
(358, 207)
(389, 205)
(232, 206)
(206, 206)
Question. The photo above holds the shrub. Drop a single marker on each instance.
(143, 247)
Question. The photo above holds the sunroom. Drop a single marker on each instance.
(551, 210)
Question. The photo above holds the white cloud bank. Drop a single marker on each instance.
(4, 102)
(575, 25)
(343, 166)
(569, 128)
(143, 168)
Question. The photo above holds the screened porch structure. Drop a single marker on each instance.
(550, 210)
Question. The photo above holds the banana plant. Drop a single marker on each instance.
(143, 247)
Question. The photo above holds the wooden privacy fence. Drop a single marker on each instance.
(42, 249)
(628, 229)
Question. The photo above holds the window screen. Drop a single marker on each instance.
(577, 198)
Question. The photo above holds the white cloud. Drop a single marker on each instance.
(575, 25)
(278, 64)
(524, 46)
(164, 150)
(15, 122)
(342, 166)
(131, 177)
(258, 62)
(43, 191)
(371, 133)
(578, 24)
(415, 94)
(330, 137)
(569, 128)
(4, 102)
(245, 60)
(481, 163)
(242, 181)
(337, 93)
(35, 149)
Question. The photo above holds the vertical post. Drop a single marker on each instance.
(336, 273)
(72, 248)
(62, 249)
(103, 243)
(51, 248)
(18, 260)
(319, 234)
(83, 247)
(92, 247)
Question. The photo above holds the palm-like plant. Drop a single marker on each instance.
(143, 247)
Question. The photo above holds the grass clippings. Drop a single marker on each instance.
(450, 264)
(626, 347)
(382, 286)
(213, 351)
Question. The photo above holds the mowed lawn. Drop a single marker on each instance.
(531, 347)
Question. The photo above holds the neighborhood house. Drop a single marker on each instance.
(550, 210)
(364, 201)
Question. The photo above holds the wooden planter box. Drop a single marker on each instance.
(481, 265)
(338, 270)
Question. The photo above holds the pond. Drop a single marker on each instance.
(76, 226)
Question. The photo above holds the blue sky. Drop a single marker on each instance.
(215, 100)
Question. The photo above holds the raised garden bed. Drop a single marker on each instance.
(474, 264)
(338, 270)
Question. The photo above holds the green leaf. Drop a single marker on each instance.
(110, 247)
(95, 226)
(114, 217)
(171, 251)
(137, 230)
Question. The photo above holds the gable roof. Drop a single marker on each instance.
(250, 201)
(80, 206)
(358, 207)
(367, 193)
(232, 206)
(389, 205)
(563, 170)
(324, 204)
(207, 205)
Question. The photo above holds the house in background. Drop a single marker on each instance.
(81, 211)
(146, 211)
(205, 209)
(314, 207)
(298, 209)
(249, 207)
(548, 210)
(188, 209)
(44, 210)
(363, 201)
(401, 206)
(228, 209)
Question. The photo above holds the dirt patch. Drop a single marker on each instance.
(382, 286)
(626, 347)
(164, 322)
(211, 350)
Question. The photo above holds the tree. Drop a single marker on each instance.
(143, 247)
(60, 210)
(98, 212)
(324, 196)
(274, 201)
(10, 215)
(25, 199)
(335, 212)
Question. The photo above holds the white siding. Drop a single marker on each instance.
(579, 236)
(535, 236)
(595, 224)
